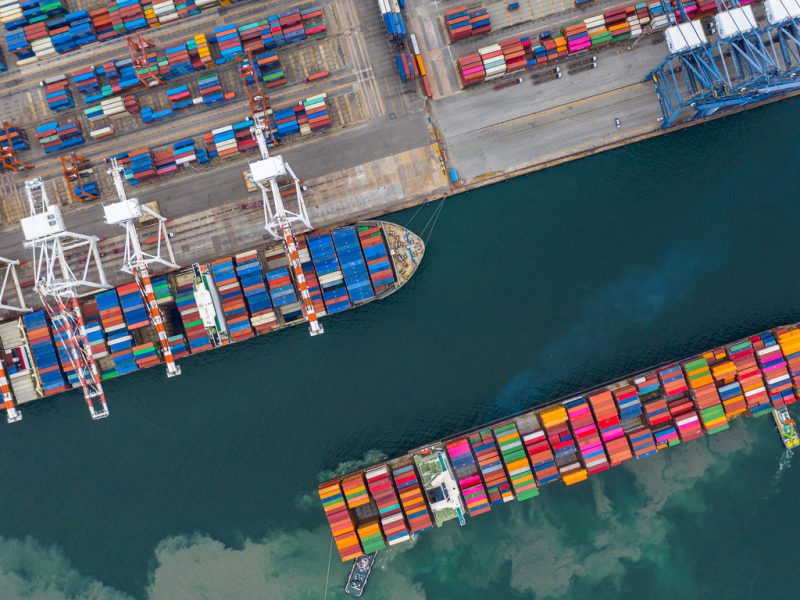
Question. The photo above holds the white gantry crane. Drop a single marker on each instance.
(8, 268)
(266, 173)
(126, 213)
(58, 285)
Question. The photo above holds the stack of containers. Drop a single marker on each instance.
(578, 38)
(317, 113)
(101, 22)
(382, 490)
(119, 338)
(54, 137)
(666, 436)
(353, 267)
(789, 340)
(673, 382)
(312, 21)
(462, 22)
(773, 367)
(151, 116)
(269, 68)
(190, 315)
(596, 28)
(251, 274)
(371, 537)
(412, 498)
(392, 20)
(339, 519)
(633, 23)
(749, 377)
(3, 63)
(177, 345)
(554, 421)
(654, 404)
(471, 70)
(286, 121)
(469, 481)
(161, 289)
(146, 355)
(271, 34)
(230, 44)
(223, 141)
(185, 152)
(541, 455)
(109, 107)
(15, 137)
(127, 16)
(608, 422)
(583, 427)
(485, 449)
(133, 306)
(377, 255)
(11, 15)
(493, 62)
(292, 26)
(165, 11)
(165, 162)
(617, 23)
(730, 392)
(198, 46)
(630, 407)
(251, 37)
(57, 94)
(642, 442)
(330, 276)
(517, 465)
(406, 67)
(281, 288)
(179, 97)
(513, 55)
(244, 138)
(233, 305)
(705, 395)
(686, 419)
(355, 494)
(141, 166)
(211, 89)
(40, 341)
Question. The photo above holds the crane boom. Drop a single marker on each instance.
(57, 285)
(125, 213)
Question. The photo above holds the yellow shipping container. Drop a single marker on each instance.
(575, 476)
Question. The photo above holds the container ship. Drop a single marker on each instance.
(567, 440)
(208, 305)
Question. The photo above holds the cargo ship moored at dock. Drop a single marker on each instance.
(209, 305)
(568, 439)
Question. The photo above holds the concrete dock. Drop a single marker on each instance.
(385, 148)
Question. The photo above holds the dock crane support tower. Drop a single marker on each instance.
(57, 284)
(136, 262)
(278, 219)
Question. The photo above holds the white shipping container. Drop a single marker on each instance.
(489, 49)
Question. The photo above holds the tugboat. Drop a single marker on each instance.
(786, 427)
(359, 574)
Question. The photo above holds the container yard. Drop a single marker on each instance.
(569, 439)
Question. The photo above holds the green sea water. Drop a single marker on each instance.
(203, 486)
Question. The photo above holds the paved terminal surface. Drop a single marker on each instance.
(389, 147)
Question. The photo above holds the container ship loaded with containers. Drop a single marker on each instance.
(568, 439)
(209, 305)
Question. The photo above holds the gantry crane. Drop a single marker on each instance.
(278, 219)
(136, 262)
(743, 67)
(138, 46)
(58, 286)
(8, 156)
(73, 166)
(9, 270)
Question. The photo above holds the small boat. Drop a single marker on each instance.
(786, 427)
(359, 574)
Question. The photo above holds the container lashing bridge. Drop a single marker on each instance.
(136, 262)
(58, 285)
(266, 173)
(746, 63)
